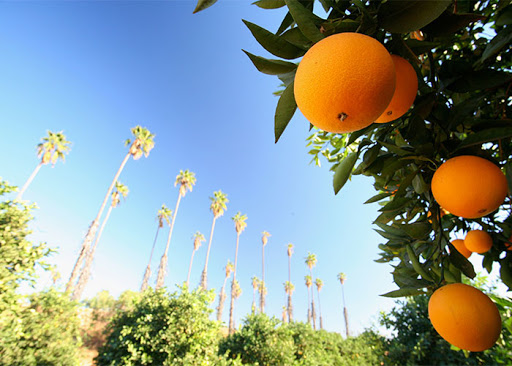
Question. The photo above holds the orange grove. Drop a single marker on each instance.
(405, 91)
(344, 82)
(478, 241)
(465, 317)
(469, 186)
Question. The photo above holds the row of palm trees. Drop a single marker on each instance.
(55, 146)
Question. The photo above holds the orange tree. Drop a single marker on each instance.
(460, 51)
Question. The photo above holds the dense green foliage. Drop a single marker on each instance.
(39, 329)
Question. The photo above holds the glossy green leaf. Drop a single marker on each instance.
(203, 4)
(343, 171)
(403, 292)
(417, 230)
(418, 267)
(397, 232)
(274, 44)
(287, 22)
(295, 36)
(271, 67)
(285, 110)
(378, 197)
(398, 203)
(459, 261)
(419, 47)
(403, 16)
(503, 38)
(491, 134)
(395, 149)
(478, 80)
(405, 183)
(305, 20)
(505, 16)
(269, 4)
(506, 272)
(448, 23)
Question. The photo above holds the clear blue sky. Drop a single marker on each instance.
(95, 69)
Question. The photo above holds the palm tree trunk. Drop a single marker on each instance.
(345, 312)
(290, 306)
(86, 271)
(91, 233)
(232, 305)
(147, 274)
(204, 275)
(253, 307)
(29, 180)
(222, 298)
(190, 266)
(320, 310)
(163, 263)
(309, 309)
(313, 312)
(262, 294)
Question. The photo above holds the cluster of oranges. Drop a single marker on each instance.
(346, 82)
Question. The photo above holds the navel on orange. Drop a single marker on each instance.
(344, 82)
(465, 317)
(469, 186)
(405, 91)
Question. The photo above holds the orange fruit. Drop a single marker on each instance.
(508, 245)
(478, 241)
(465, 317)
(405, 91)
(469, 186)
(344, 82)
(461, 247)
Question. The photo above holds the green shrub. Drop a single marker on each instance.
(163, 329)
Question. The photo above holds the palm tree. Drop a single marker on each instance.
(309, 282)
(262, 289)
(255, 284)
(163, 215)
(319, 284)
(52, 148)
(290, 306)
(141, 145)
(217, 206)
(121, 190)
(264, 240)
(283, 314)
(238, 292)
(198, 238)
(342, 277)
(289, 288)
(186, 180)
(222, 297)
(240, 226)
(311, 262)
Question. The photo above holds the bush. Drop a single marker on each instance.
(163, 329)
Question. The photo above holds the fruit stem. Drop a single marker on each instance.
(342, 116)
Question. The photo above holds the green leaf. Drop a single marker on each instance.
(395, 231)
(406, 182)
(459, 261)
(285, 110)
(417, 230)
(449, 23)
(508, 172)
(506, 273)
(394, 149)
(478, 80)
(271, 67)
(505, 16)
(418, 267)
(491, 134)
(406, 291)
(287, 21)
(403, 16)
(203, 4)
(274, 44)
(269, 4)
(378, 197)
(304, 19)
(419, 185)
(398, 203)
(295, 36)
(419, 47)
(503, 38)
(343, 171)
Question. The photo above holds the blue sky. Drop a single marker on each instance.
(95, 69)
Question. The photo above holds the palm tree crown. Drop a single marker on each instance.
(163, 215)
(121, 191)
(218, 205)
(142, 144)
(264, 237)
(53, 147)
(240, 223)
(309, 281)
(198, 239)
(289, 287)
(319, 284)
(342, 277)
(186, 179)
(289, 249)
(310, 260)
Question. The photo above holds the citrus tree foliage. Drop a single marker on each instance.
(462, 56)
(164, 329)
(46, 332)
(267, 341)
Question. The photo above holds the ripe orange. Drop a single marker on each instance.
(508, 245)
(469, 186)
(344, 82)
(405, 91)
(461, 247)
(478, 241)
(465, 317)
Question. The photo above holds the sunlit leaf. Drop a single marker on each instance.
(491, 134)
(343, 171)
(269, 4)
(406, 291)
(304, 19)
(285, 110)
(378, 197)
(203, 4)
(271, 67)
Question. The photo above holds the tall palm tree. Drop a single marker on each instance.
(309, 282)
(290, 306)
(217, 206)
(240, 226)
(186, 180)
(289, 288)
(222, 297)
(284, 314)
(342, 277)
(262, 290)
(255, 284)
(163, 215)
(120, 191)
(264, 241)
(238, 292)
(311, 262)
(141, 145)
(52, 148)
(198, 238)
(319, 284)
